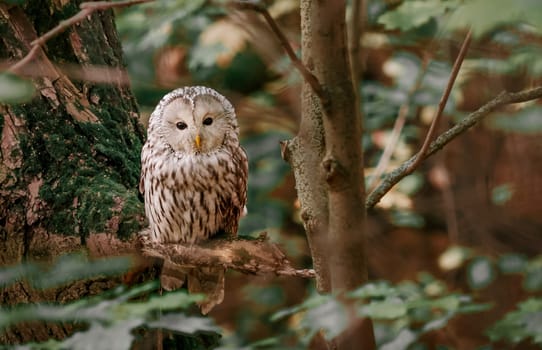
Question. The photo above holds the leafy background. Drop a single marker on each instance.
(433, 286)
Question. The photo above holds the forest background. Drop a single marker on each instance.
(452, 249)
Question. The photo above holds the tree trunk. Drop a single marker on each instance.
(327, 160)
(69, 161)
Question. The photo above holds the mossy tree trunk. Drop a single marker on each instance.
(69, 158)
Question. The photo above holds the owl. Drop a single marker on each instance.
(194, 177)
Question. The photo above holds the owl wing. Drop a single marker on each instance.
(142, 180)
(238, 199)
(144, 166)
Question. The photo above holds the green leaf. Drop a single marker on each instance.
(312, 302)
(512, 263)
(330, 316)
(447, 303)
(387, 309)
(533, 275)
(373, 290)
(407, 218)
(415, 13)
(118, 336)
(438, 323)
(480, 273)
(519, 325)
(526, 121)
(474, 14)
(14, 89)
(184, 324)
(169, 301)
(11, 274)
(502, 194)
(402, 341)
(73, 267)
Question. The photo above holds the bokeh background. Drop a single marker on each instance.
(477, 202)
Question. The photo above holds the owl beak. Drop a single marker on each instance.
(197, 141)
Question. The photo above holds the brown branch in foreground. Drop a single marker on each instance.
(442, 103)
(502, 99)
(87, 73)
(256, 256)
(87, 8)
(310, 78)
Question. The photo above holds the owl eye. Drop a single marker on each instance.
(208, 121)
(181, 125)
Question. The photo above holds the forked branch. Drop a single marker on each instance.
(502, 99)
(442, 103)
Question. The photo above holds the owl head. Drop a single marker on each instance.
(194, 120)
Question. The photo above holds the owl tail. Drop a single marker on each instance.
(204, 280)
(208, 281)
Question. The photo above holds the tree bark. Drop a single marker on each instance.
(69, 161)
(326, 154)
(327, 161)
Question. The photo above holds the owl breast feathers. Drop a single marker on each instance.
(194, 172)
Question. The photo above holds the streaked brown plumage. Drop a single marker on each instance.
(194, 175)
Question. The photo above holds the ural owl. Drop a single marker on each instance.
(194, 177)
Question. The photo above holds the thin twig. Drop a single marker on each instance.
(502, 99)
(397, 128)
(307, 75)
(87, 8)
(442, 103)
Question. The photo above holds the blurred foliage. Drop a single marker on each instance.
(526, 121)
(522, 324)
(401, 313)
(168, 44)
(14, 89)
(66, 269)
(109, 318)
(267, 172)
(411, 14)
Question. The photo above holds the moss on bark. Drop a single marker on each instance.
(88, 168)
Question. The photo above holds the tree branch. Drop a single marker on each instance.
(502, 99)
(87, 8)
(257, 256)
(442, 103)
(305, 73)
(396, 131)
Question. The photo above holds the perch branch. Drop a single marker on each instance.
(257, 256)
(87, 8)
(442, 103)
(305, 73)
(502, 99)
